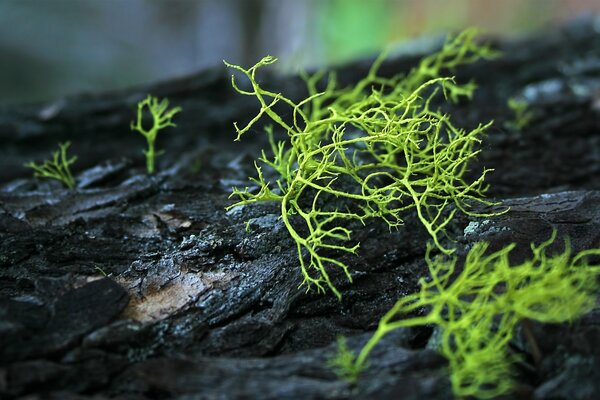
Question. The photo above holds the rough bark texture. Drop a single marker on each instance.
(196, 306)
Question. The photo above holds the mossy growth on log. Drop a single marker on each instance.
(377, 149)
(476, 308)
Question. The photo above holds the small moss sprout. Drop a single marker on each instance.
(522, 114)
(161, 118)
(58, 167)
(343, 362)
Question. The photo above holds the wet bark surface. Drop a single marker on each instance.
(143, 287)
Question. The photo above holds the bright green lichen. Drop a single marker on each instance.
(374, 150)
(477, 308)
(57, 168)
(161, 118)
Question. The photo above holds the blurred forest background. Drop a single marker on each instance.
(50, 48)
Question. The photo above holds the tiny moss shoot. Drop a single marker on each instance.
(58, 167)
(373, 150)
(344, 362)
(522, 114)
(100, 270)
(161, 118)
(477, 308)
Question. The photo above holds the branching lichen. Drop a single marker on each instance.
(161, 118)
(477, 308)
(57, 168)
(374, 150)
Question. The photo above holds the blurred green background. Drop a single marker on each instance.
(50, 48)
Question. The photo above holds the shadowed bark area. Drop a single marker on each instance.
(143, 287)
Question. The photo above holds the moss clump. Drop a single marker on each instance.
(374, 150)
(478, 307)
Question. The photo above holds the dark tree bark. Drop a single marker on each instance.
(194, 305)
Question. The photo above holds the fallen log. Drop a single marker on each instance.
(133, 286)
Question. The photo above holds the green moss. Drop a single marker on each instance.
(343, 363)
(161, 118)
(477, 308)
(377, 149)
(58, 167)
(522, 114)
